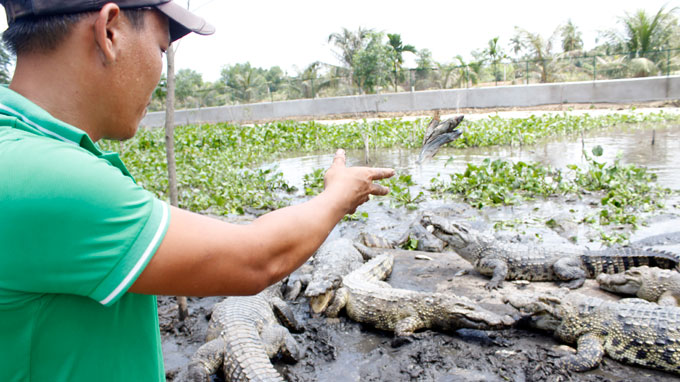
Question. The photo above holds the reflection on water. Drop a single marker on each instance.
(635, 146)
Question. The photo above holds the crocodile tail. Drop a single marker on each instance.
(621, 259)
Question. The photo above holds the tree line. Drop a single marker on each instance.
(641, 44)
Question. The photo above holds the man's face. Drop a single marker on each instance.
(137, 72)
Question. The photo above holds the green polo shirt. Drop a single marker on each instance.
(75, 232)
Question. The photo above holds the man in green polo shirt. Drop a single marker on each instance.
(83, 249)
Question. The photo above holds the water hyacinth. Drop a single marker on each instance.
(219, 166)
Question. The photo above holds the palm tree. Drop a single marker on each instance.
(349, 44)
(538, 49)
(398, 48)
(495, 54)
(468, 73)
(643, 33)
(446, 73)
(571, 37)
(244, 81)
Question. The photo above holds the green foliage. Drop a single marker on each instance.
(219, 165)
(400, 192)
(313, 182)
(526, 131)
(625, 190)
(501, 182)
(371, 65)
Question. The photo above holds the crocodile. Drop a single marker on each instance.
(437, 135)
(649, 283)
(332, 261)
(423, 239)
(415, 233)
(243, 335)
(632, 331)
(509, 261)
(368, 299)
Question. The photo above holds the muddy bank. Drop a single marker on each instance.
(343, 350)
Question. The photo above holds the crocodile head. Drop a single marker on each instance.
(453, 312)
(332, 262)
(466, 241)
(542, 310)
(628, 282)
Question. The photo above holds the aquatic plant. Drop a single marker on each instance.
(624, 190)
(222, 168)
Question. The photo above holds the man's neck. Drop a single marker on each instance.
(57, 88)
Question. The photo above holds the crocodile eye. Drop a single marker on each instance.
(634, 273)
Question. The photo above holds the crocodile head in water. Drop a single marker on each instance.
(628, 282)
(466, 241)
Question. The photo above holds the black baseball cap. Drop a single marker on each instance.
(182, 21)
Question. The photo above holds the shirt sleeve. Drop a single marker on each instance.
(74, 224)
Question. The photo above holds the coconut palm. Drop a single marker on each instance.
(398, 48)
(571, 37)
(246, 83)
(495, 54)
(539, 50)
(642, 34)
(349, 43)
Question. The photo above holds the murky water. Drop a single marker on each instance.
(634, 145)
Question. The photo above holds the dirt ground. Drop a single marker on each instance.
(343, 350)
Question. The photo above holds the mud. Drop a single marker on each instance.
(343, 350)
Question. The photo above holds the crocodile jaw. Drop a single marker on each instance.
(320, 303)
(619, 283)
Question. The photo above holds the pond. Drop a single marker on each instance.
(656, 148)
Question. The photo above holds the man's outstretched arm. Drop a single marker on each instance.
(201, 256)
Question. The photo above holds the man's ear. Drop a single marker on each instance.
(107, 28)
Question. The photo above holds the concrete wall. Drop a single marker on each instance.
(609, 91)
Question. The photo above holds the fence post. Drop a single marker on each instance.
(668, 62)
(312, 80)
(594, 68)
(526, 72)
(410, 79)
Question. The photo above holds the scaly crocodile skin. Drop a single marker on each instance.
(652, 284)
(506, 261)
(632, 331)
(368, 299)
(243, 335)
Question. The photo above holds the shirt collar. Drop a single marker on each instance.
(38, 121)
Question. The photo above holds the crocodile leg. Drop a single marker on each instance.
(277, 338)
(408, 325)
(293, 290)
(590, 351)
(207, 360)
(569, 268)
(669, 298)
(285, 315)
(339, 302)
(499, 269)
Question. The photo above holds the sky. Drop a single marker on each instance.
(293, 34)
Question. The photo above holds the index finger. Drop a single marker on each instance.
(380, 173)
(339, 159)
